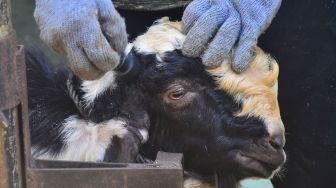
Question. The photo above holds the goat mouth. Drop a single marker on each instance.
(259, 166)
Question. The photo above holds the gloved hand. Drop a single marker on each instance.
(80, 29)
(214, 27)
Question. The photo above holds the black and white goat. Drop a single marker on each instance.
(221, 121)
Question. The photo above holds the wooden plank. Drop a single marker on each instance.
(149, 5)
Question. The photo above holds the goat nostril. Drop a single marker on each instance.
(277, 142)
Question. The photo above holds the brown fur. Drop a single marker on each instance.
(256, 88)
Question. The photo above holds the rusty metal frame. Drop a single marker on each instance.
(165, 172)
(12, 103)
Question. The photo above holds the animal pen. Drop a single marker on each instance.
(17, 167)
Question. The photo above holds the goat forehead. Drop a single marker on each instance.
(160, 38)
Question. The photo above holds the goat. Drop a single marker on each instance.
(221, 121)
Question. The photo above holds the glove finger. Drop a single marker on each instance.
(258, 13)
(244, 54)
(193, 11)
(113, 25)
(201, 33)
(100, 53)
(81, 65)
(272, 8)
(221, 46)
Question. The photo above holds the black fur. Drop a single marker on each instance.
(206, 132)
(49, 104)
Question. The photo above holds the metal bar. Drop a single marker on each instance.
(10, 114)
(23, 118)
(165, 172)
(149, 5)
(3, 159)
(11, 171)
(9, 96)
(22, 128)
(105, 177)
(163, 160)
(10, 154)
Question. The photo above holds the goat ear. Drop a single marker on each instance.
(266, 67)
(74, 93)
(129, 66)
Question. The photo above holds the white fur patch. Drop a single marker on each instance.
(86, 141)
(163, 37)
(94, 88)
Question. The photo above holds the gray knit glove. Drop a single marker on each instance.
(214, 27)
(80, 29)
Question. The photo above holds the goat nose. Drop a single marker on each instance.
(277, 142)
(276, 135)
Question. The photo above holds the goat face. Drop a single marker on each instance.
(221, 121)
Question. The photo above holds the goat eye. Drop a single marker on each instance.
(177, 94)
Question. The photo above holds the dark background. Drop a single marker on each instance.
(303, 39)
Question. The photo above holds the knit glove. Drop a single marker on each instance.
(90, 33)
(214, 27)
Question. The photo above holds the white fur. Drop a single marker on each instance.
(163, 37)
(86, 141)
(94, 88)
